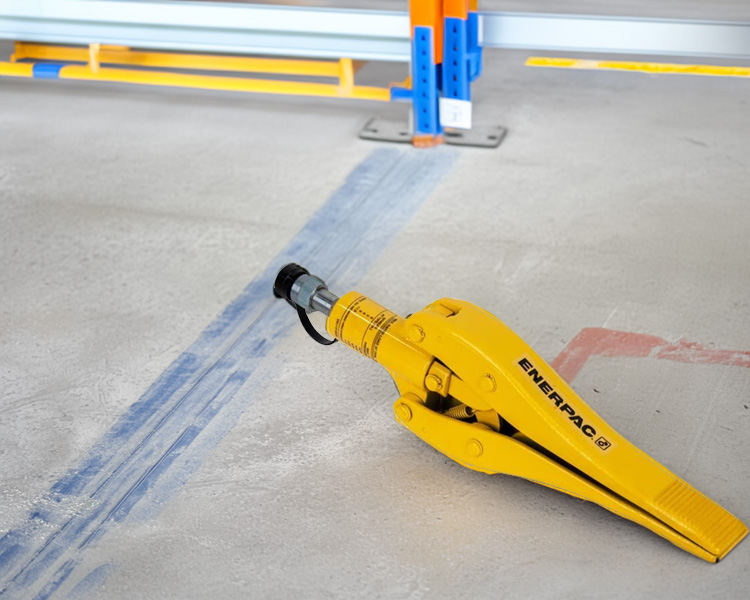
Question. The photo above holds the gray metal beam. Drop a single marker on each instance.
(211, 27)
(578, 33)
(334, 33)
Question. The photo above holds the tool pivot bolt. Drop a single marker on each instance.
(487, 383)
(474, 448)
(433, 383)
(403, 412)
(415, 334)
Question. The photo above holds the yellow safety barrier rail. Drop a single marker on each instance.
(150, 69)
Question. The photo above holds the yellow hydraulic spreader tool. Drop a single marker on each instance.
(475, 391)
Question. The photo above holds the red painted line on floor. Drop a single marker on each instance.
(689, 352)
(597, 341)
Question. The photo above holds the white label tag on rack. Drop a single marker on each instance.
(455, 113)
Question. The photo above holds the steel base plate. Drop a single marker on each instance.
(390, 131)
(479, 137)
(386, 131)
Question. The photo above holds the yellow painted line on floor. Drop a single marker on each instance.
(640, 67)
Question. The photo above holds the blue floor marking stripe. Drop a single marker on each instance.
(163, 437)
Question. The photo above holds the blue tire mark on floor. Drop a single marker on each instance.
(164, 436)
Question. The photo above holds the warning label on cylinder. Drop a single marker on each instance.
(363, 325)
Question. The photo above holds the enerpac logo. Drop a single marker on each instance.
(564, 407)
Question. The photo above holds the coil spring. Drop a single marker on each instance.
(460, 412)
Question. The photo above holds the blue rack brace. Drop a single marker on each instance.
(46, 70)
(473, 50)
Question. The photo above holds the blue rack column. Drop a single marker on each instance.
(461, 62)
(446, 60)
(427, 55)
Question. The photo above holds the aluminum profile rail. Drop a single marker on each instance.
(334, 33)
(211, 27)
(619, 35)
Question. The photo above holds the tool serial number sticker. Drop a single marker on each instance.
(585, 428)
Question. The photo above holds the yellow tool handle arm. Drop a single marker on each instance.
(507, 374)
(481, 449)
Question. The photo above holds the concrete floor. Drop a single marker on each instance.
(132, 217)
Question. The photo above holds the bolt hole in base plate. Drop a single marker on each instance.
(388, 131)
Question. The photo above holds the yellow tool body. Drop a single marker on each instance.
(475, 391)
